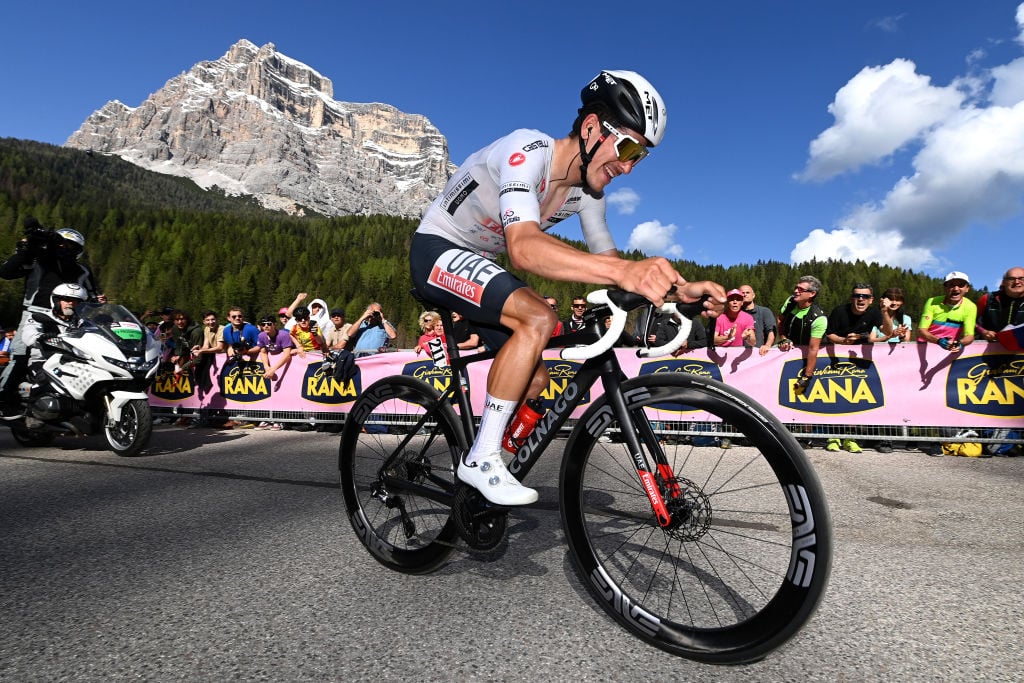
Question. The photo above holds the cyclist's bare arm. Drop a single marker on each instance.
(534, 251)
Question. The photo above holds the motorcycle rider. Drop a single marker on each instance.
(45, 258)
(61, 316)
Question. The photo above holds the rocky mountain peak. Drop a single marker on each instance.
(260, 123)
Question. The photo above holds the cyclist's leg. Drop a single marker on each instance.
(487, 294)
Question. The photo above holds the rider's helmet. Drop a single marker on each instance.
(68, 290)
(630, 100)
(71, 244)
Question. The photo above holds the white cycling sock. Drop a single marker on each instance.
(496, 416)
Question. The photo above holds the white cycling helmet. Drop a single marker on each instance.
(68, 290)
(632, 101)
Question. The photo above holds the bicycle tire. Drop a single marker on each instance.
(402, 515)
(748, 566)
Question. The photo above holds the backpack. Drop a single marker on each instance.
(968, 449)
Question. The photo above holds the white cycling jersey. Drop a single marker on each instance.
(505, 183)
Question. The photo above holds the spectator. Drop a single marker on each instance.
(44, 259)
(892, 300)
(764, 320)
(466, 336)
(182, 333)
(949, 320)
(240, 338)
(5, 346)
(337, 337)
(306, 333)
(655, 328)
(735, 327)
(802, 323)
(625, 338)
(275, 345)
(372, 331)
(1004, 307)
(574, 322)
(153, 327)
(697, 339)
(851, 323)
(318, 314)
(433, 328)
(207, 342)
(317, 311)
(553, 303)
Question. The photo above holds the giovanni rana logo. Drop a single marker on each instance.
(320, 386)
(425, 370)
(839, 387)
(987, 385)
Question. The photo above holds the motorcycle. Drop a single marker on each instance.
(92, 378)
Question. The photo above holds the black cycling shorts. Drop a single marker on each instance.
(458, 279)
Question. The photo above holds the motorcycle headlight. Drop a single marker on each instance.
(133, 364)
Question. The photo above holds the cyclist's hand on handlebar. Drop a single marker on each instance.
(651, 278)
(694, 291)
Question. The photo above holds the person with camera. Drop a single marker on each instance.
(371, 332)
(45, 258)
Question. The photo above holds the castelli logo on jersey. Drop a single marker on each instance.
(516, 159)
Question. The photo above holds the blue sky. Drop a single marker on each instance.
(887, 130)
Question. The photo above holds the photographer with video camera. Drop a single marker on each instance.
(45, 258)
(371, 332)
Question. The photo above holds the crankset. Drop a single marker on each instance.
(481, 524)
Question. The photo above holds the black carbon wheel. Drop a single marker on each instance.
(398, 474)
(745, 560)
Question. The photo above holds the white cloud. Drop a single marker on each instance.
(880, 110)
(1008, 83)
(653, 238)
(845, 244)
(624, 200)
(968, 170)
(1020, 23)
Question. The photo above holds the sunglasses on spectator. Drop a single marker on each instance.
(627, 147)
(1018, 278)
(579, 305)
(801, 290)
(301, 320)
(233, 317)
(860, 296)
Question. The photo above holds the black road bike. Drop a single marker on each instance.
(715, 551)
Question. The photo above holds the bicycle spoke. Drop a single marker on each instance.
(694, 584)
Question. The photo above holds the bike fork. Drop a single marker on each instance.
(636, 452)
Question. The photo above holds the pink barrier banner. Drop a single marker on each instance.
(881, 384)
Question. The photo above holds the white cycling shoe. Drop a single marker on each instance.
(491, 478)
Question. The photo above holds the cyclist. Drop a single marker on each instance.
(502, 199)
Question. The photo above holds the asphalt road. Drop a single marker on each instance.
(224, 555)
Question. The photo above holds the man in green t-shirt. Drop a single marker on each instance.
(948, 320)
